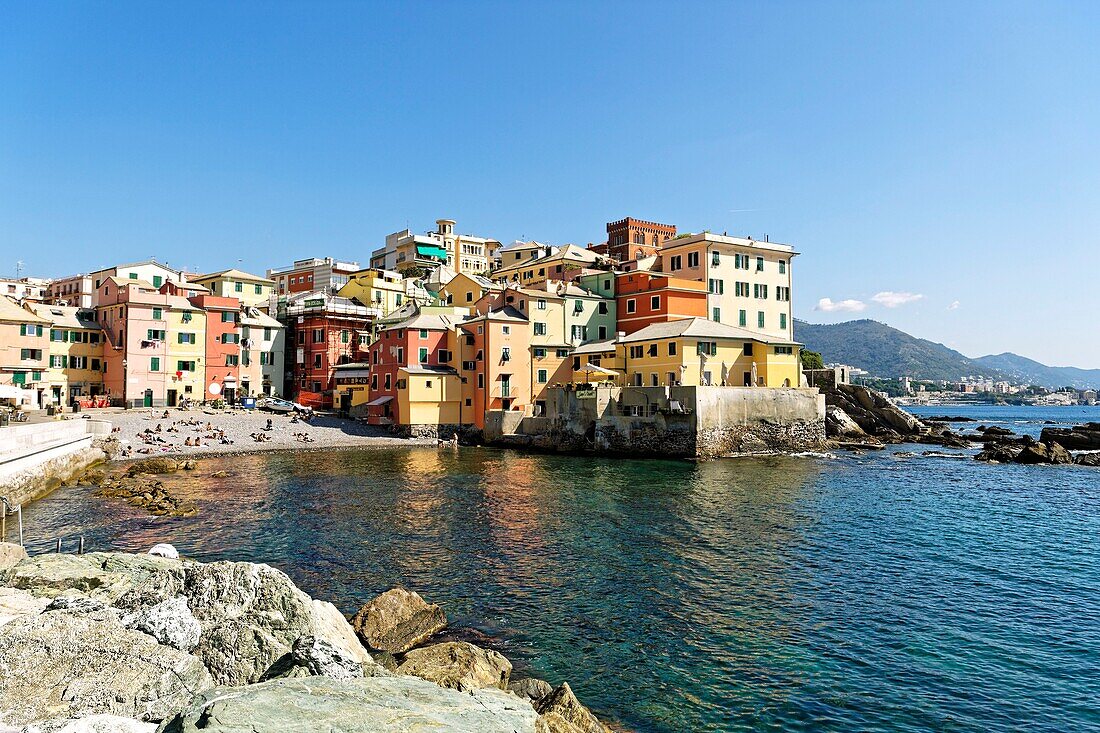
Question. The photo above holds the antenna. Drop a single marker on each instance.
(19, 269)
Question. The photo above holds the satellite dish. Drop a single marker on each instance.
(215, 388)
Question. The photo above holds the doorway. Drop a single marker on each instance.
(148, 401)
(171, 398)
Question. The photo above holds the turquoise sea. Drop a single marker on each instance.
(885, 591)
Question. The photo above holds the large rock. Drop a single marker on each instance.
(152, 465)
(15, 604)
(63, 665)
(364, 705)
(1043, 453)
(11, 555)
(562, 712)
(93, 724)
(1079, 437)
(998, 453)
(397, 621)
(313, 657)
(458, 665)
(105, 575)
(170, 622)
(249, 615)
(839, 424)
(532, 689)
(1087, 459)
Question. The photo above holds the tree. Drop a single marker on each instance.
(812, 360)
(414, 272)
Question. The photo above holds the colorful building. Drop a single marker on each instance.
(644, 298)
(24, 349)
(422, 340)
(76, 353)
(748, 281)
(322, 331)
(223, 346)
(315, 274)
(381, 291)
(186, 357)
(567, 263)
(250, 290)
(263, 353)
(696, 351)
(634, 239)
(463, 253)
(495, 363)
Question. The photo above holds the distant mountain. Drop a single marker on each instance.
(885, 351)
(1022, 370)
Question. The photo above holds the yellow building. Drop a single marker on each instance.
(251, 290)
(429, 395)
(185, 343)
(263, 348)
(466, 290)
(696, 351)
(76, 353)
(748, 281)
(597, 362)
(383, 290)
(24, 350)
(566, 263)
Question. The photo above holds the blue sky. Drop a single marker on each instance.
(947, 151)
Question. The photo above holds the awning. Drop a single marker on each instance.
(380, 401)
(430, 250)
(597, 369)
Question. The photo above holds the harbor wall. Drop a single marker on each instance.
(689, 422)
(36, 458)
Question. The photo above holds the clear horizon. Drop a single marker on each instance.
(935, 165)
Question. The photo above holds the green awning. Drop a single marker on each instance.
(431, 250)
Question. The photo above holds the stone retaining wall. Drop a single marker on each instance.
(35, 459)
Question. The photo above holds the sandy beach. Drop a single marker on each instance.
(216, 432)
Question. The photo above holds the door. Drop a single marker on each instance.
(171, 398)
(148, 401)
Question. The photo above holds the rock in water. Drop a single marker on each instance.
(997, 453)
(458, 665)
(1087, 459)
(398, 620)
(152, 465)
(170, 622)
(562, 712)
(64, 665)
(1043, 453)
(530, 689)
(364, 705)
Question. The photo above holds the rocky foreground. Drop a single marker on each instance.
(109, 642)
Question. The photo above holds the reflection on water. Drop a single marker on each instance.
(794, 594)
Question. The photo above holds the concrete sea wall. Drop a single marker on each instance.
(687, 422)
(35, 459)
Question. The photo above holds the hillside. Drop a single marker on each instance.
(887, 352)
(1023, 370)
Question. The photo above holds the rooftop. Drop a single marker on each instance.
(699, 328)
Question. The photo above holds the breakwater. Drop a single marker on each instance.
(36, 458)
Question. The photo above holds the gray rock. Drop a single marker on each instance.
(15, 604)
(11, 555)
(1087, 459)
(249, 615)
(169, 622)
(364, 705)
(76, 602)
(530, 689)
(458, 665)
(562, 712)
(104, 575)
(397, 621)
(64, 665)
(1043, 453)
(92, 724)
(839, 424)
(311, 656)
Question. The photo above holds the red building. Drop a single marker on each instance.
(633, 239)
(419, 341)
(643, 297)
(223, 344)
(322, 331)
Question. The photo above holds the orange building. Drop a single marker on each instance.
(223, 345)
(495, 350)
(643, 298)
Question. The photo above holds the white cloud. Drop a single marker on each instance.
(954, 306)
(829, 306)
(890, 299)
